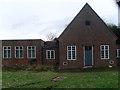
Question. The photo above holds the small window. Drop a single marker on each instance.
(71, 52)
(87, 23)
(31, 51)
(50, 54)
(7, 52)
(19, 52)
(118, 53)
(104, 51)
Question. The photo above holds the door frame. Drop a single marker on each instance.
(84, 55)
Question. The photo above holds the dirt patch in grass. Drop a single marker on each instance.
(57, 79)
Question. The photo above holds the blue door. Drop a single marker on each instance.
(88, 56)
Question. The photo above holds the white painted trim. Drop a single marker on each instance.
(19, 52)
(92, 56)
(47, 54)
(71, 52)
(104, 52)
(7, 52)
(31, 52)
(27, 51)
(117, 53)
(3, 52)
(87, 66)
(50, 54)
(84, 55)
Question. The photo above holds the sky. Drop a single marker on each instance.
(35, 19)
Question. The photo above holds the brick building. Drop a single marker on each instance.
(86, 42)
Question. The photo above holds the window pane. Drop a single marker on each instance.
(17, 48)
(69, 54)
(21, 53)
(9, 53)
(73, 54)
(33, 53)
(102, 47)
(118, 53)
(17, 54)
(5, 54)
(29, 48)
(73, 48)
(21, 47)
(33, 48)
(106, 56)
(48, 54)
(29, 53)
(106, 53)
(106, 47)
(5, 47)
(52, 54)
(102, 54)
(69, 48)
(8, 47)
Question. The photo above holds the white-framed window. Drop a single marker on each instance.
(31, 51)
(71, 52)
(6, 52)
(104, 51)
(118, 52)
(19, 52)
(50, 54)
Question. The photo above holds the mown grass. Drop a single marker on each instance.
(108, 79)
(0, 79)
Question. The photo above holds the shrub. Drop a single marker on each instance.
(13, 68)
(36, 68)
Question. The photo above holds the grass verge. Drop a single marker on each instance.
(108, 79)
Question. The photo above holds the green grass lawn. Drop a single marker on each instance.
(108, 79)
(0, 79)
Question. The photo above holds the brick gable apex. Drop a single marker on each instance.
(79, 17)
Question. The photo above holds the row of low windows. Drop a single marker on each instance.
(104, 52)
(71, 52)
(31, 52)
(50, 54)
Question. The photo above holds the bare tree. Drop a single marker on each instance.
(51, 36)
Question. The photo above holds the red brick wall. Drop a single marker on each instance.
(53, 45)
(79, 34)
(118, 58)
(25, 61)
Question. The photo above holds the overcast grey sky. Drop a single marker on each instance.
(34, 19)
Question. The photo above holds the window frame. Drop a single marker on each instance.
(31, 52)
(71, 53)
(7, 52)
(19, 54)
(105, 51)
(118, 50)
(50, 57)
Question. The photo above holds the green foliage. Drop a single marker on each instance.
(36, 68)
(108, 79)
(115, 29)
(40, 68)
(13, 68)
